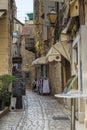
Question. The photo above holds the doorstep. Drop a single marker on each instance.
(4, 111)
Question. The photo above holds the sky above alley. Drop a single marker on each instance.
(23, 7)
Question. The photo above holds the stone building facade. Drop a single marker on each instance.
(6, 13)
(16, 45)
(27, 52)
(46, 41)
(74, 24)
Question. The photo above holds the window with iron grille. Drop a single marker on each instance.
(29, 40)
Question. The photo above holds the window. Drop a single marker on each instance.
(29, 40)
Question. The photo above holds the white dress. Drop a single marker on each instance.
(46, 88)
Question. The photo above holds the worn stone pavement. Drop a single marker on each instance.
(40, 113)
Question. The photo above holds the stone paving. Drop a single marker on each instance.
(41, 113)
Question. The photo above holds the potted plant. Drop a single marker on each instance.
(5, 95)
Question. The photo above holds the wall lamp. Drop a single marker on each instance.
(53, 19)
(52, 16)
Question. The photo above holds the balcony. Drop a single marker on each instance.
(29, 44)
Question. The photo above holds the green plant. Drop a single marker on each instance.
(5, 95)
(5, 81)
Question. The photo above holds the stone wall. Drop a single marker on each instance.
(5, 46)
(4, 4)
(55, 78)
(27, 58)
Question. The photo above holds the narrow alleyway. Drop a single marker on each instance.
(41, 113)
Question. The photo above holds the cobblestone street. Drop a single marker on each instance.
(41, 113)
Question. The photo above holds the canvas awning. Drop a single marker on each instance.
(74, 8)
(69, 25)
(35, 61)
(64, 49)
(53, 55)
(72, 2)
(30, 16)
(2, 12)
(39, 61)
(14, 40)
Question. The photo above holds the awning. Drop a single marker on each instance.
(14, 40)
(72, 83)
(74, 8)
(39, 61)
(53, 55)
(35, 61)
(66, 11)
(69, 25)
(2, 12)
(30, 16)
(72, 2)
(63, 48)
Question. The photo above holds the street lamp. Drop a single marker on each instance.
(52, 16)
